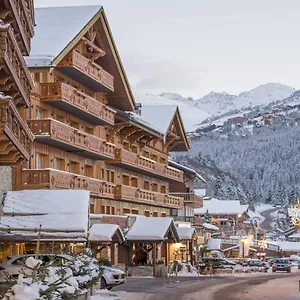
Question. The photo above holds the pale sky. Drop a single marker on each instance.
(194, 47)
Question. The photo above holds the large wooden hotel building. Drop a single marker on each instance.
(88, 131)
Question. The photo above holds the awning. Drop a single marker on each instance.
(106, 233)
(185, 233)
(152, 230)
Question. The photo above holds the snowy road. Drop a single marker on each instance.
(247, 287)
(268, 215)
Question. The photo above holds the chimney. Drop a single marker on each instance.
(138, 108)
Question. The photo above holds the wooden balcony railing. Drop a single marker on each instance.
(16, 137)
(87, 72)
(133, 161)
(71, 100)
(18, 78)
(22, 12)
(131, 193)
(57, 134)
(55, 179)
(190, 198)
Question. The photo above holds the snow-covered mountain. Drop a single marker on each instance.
(194, 112)
(219, 103)
(190, 114)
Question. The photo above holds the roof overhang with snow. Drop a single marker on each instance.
(152, 230)
(59, 29)
(220, 207)
(187, 170)
(186, 233)
(48, 212)
(106, 233)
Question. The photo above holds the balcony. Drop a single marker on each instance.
(141, 164)
(16, 137)
(66, 98)
(60, 135)
(21, 11)
(54, 179)
(130, 193)
(83, 70)
(15, 79)
(190, 199)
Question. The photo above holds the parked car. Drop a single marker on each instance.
(281, 265)
(217, 263)
(110, 278)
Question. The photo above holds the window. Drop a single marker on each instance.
(154, 157)
(163, 215)
(134, 181)
(41, 161)
(154, 187)
(126, 146)
(163, 189)
(107, 175)
(146, 154)
(135, 211)
(125, 180)
(134, 149)
(74, 124)
(113, 210)
(59, 164)
(89, 130)
(39, 113)
(102, 209)
(92, 208)
(88, 171)
(108, 210)
(147, 213)
(74, 167)
(60, 118)
(102, 174)
(163, 160)
(126, 211)
(155, 214)
(146, 185)
(112, 176)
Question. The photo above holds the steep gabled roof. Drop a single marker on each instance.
(162, 117)
(59, 29)
(56, 28)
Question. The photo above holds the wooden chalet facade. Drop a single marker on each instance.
(87, 135)
(16, 32)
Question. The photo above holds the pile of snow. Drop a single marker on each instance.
(183, 270)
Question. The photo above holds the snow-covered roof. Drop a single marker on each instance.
(214, 244)
(106, 233)
(159, 115)
(56, 28)
(200, 192)
(289, 246)
(186, 169)
(185, 233)
(210, 226)
(244, 207)
(152, 229)
(253, 215)
(220, 207)
(54, 210)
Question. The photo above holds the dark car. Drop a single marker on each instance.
(281, 265)
(217, 263)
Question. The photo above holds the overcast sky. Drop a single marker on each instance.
(194, 47)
